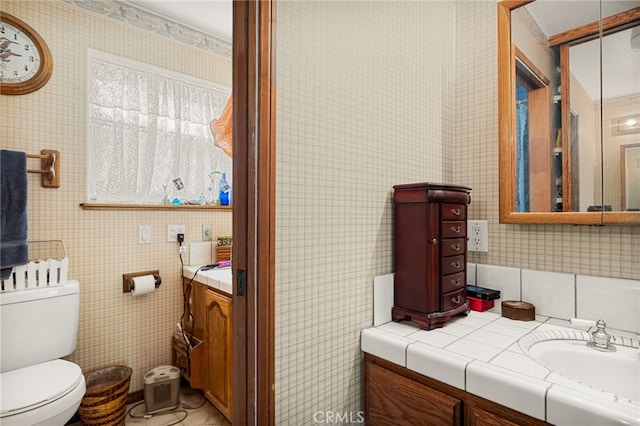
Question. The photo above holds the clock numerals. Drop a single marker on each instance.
(26, 59)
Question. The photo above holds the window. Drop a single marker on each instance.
(147, 127)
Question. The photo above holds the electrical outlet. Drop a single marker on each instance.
(477, 235)
(173, 231)
(207, 233)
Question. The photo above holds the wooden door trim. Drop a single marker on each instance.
(253, 214)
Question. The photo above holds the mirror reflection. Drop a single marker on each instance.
(572, 110)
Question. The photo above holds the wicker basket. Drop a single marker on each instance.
(105, 402)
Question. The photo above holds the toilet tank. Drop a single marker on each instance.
(38, 325)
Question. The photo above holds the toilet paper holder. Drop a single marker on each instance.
(127, 279)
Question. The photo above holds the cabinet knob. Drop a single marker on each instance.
(455, 282)
(455, 264)
(456, 212)
(455, 228)
(456, 300)
(455, 247)
(434, 241)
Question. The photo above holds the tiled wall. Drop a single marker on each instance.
(102, 245)
(371, 94)
(560, 295)
(363, 90)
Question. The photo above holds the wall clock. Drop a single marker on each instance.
(25, 60)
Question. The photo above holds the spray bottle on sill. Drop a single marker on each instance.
(225, 189)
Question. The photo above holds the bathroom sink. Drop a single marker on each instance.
(567, 353)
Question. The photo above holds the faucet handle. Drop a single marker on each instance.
(600, 338)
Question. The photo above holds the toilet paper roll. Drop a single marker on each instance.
(144, 284)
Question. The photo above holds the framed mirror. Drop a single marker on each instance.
(566, 85)
(630, 176)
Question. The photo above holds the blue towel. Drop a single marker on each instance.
(13, 211)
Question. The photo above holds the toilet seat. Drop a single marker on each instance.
(29, 388)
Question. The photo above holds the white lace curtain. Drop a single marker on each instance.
(148, 126)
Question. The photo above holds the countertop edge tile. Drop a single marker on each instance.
(438, 363)
(566, 406)
(391, 347)
(511, 389)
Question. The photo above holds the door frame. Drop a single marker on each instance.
(253, 214)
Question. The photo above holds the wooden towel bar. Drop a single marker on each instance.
(49, 167)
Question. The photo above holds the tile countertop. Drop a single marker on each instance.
(219, 278)
(480, 354)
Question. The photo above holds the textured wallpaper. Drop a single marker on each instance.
(102, 245)
(365, 100)
(372, 94)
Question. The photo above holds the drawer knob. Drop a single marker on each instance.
(456, 300)
(455, 247)
(455, 264)
(455, 228)
(434, 241)
(455, 282)
(456, 212)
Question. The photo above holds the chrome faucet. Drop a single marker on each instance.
(600, 339)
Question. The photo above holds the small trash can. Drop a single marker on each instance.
(105, 401)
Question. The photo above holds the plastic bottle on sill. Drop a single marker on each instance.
(225, 190)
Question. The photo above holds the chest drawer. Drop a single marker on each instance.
(451, 265)
(454, 299)
(452, 247)
(453, 282)
(454, 229)
(453, 212)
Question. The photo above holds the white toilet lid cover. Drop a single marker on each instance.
(29, 387)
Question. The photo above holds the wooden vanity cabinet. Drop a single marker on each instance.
(395, 395)
(210, 359)
(430, 253)
(218, 344)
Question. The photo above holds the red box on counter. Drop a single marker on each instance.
(479, 304)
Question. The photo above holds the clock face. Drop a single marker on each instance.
(19, 56)
(25, 60)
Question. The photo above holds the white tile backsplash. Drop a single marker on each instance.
(561, 296)
(382, 299)
(614, 300)
(502, 278)
(552, 293)
(471, 274)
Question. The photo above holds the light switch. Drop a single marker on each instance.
(144, 234)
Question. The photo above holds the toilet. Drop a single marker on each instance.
(38, 327)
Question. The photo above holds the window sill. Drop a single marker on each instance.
(114, 206)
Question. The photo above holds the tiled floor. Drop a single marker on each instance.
(205, 415)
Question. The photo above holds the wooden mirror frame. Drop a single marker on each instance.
(506, 144)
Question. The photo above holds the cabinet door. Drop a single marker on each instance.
(477, 416)
(392, 399)
(218, 350)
